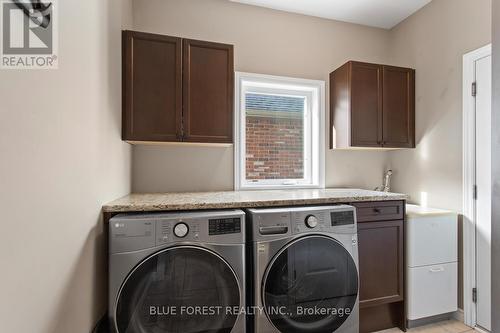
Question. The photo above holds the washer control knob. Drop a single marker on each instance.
(311, 221)
(181, 229)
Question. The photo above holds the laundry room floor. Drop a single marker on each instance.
(449, 326)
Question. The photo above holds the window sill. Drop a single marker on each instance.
(277, 187)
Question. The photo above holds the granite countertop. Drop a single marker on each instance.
(138, 202)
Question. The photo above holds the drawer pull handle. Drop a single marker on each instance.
(436, 270)
(376, 210)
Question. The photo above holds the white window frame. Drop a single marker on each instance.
(314, 122)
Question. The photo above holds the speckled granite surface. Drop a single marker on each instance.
(243, 199)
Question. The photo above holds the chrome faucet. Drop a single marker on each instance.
(386, 187)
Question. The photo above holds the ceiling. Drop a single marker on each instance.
(376, 13)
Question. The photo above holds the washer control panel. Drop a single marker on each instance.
(207, 227)
(132, 232)
(224, 226)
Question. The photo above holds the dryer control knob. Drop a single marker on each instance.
(311, 221)
(181, 230)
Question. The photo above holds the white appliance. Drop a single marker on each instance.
(432, 262)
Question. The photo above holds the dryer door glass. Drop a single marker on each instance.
(310, 286)
(179, 290)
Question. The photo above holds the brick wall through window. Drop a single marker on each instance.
(274, 146)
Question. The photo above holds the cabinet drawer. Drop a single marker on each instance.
(431, 240)
(432, 290)
(379, 211)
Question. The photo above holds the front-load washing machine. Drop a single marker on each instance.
(177, 272)
(305, 269)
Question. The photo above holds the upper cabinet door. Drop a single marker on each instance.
(399, 107)
(208, 93)
(366, 105)
(152, 87)
(372, 106)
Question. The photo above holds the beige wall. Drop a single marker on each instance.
(269, 42)
(433, 42)
(62, 156)
(61, 159)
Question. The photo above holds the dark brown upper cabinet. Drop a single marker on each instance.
(372, 106)
(152, 87)
(398, 107)
(176, 90)
(208, 79)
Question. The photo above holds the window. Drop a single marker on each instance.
(279, 132)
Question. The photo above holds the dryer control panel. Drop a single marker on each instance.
(340, 219)
(278, 222)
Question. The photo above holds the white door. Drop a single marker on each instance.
(483, 182)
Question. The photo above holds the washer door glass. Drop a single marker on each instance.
(310, 286)
(179, 290)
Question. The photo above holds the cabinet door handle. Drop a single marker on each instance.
(436, 270)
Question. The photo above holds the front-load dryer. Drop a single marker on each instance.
(177, 272)
(305, 269)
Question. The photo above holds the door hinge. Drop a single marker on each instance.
(474, 192)
(474, 89)
(474, 295)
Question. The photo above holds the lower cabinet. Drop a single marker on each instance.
(381, 265)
